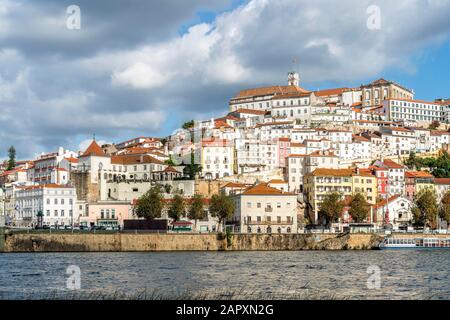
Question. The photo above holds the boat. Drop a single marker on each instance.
(415, 243)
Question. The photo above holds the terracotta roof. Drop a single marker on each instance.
(251, 111)
(265, 91)
(236, 185)
(297, 145)
(392, 164)
(134, 159)
(341, 172)
(418, 174)
(264, 189)
(72, 160)
(277, 181)
(330, 92)
(445, 181)
(171, 169)
(216, 143)
(292, 95)
(274, 123)
(221, 124)
(94, 150)
(359, 138)
(51, 185)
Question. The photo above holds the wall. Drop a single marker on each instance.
(184, 242)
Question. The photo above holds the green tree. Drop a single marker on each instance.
(222, 207)
(444, 211)
(11, 158)
(150, 205)
(331, 207)
(196, 209)
(192, 169)
(170, 161)
(188, 125)
(359, 208)
(177, 208)
(425, 209)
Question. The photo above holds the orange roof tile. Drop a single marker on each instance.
(264, 189)
(94, 150)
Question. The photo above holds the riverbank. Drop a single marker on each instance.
(148, 242)
(131, 242)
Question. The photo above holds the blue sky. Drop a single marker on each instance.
(145, 68)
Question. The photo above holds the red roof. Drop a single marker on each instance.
(94, 150)
(392, 164)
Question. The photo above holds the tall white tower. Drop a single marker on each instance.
(293, 78)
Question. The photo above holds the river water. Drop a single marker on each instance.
(402, 274)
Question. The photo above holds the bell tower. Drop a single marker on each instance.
(293, 78)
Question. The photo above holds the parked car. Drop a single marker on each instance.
(68, 228)
(84, 228)
(97, 228)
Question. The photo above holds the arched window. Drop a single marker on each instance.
(249, 229)
(269, 230)
(289, 230)
(259, 230)
(279, 229)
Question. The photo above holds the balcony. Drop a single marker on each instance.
(266, 223)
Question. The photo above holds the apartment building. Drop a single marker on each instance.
(264, 209)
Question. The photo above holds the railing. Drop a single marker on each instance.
(283, 222)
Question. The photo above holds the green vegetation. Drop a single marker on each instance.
(444, 210)
(425, 209)
(439, 167)
(196, 210)
(192, 169)
(177, 209)
(188, 125)
(150, 205)
(170, 162)
(359, 208)
(331, 207)
(11, 158)
(222, 207)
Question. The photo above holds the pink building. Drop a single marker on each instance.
(110, 214)
(284, 146)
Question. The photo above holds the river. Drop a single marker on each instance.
(396, 274)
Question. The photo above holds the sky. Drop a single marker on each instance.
(142, 68)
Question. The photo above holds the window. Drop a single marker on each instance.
(102, 214)
(249, 204)
(48, 200)
(56, 201)
(278, 204)
(48, 213)
(62, 201)
(62, 213)
(258, 218)
(56, 213)
(258, 205)
(278, 219)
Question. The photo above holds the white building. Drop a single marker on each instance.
(217, 158)
(263, 209)
(418, 111)
(55, 202)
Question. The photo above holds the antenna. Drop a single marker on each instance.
(93, 136)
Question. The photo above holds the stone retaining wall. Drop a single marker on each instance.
(124, 242)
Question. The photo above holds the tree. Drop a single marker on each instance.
(192, 169)
(425, 209)
(444, 211)
(222, 207)
(11, 158)
(177, 209)
(188, 125)
(359, 208)
(434, 125)
(196, 210)
(170, 161)
(331, 207)
(150, 205)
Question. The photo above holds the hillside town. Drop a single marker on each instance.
(287, 158)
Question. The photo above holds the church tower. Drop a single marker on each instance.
(293, 79)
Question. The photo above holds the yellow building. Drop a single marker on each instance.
(347, 182)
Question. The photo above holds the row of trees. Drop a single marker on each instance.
(425, 210)
(440, 166)
(332, 206)
(151, 206)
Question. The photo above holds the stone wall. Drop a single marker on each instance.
(117, 242)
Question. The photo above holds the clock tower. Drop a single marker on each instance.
(293, 79)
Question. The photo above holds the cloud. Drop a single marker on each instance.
(130, 72)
